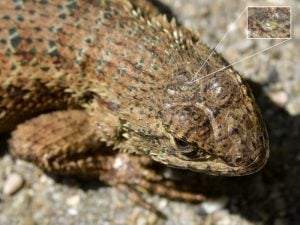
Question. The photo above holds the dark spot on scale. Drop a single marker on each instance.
(52, 48)
(18, 7)
(20, 18)
(29, 41)
(107, 15)
(31, 12)
(6, 17)
(15, 40)
(88, 40)
(138, 67)
(62, 16)
(38, 29)
(87, 10)
(45, 69)
(52, 44)
(60, 6)
(98, 21)
(24, 63)
(13, 67)
(3, 41)
(44, 2)
(71, 48)
(82, 74)
(51, 28)
(12, 31)
(72, 5)
(35, 64)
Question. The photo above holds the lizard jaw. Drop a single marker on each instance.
(216, 165)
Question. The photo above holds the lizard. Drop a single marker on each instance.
(76, 76)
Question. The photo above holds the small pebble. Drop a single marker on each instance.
(294, 108)
(212, 206)
(72, 212)
(279, 97)
(73, 201)
(141, 221)
(162, 204)
(13, 183)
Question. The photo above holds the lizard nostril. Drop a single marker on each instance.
(238, 160)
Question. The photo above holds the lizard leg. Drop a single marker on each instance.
(57, 141)
(169, 189)
(140, 174)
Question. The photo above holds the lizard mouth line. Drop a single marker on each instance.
(256, 165)
(251, 168)
(216, 166)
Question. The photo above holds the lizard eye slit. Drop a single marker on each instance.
(189, 151)
(181, 144)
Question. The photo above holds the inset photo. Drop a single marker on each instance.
(269, 22)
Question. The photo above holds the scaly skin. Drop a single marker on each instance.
(129, 75)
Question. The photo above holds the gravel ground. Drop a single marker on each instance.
(271, 196)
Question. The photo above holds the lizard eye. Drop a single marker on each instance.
(181, 144)
(185, 148)
(189, 151)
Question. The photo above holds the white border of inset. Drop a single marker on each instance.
(270, 6)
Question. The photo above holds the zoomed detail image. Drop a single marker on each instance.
(269, 22)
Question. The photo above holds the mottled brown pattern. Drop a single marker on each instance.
(128, 74)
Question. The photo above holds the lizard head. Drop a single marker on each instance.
(214, 126)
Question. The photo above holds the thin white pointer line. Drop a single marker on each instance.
(230, 28)
(247, 57)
